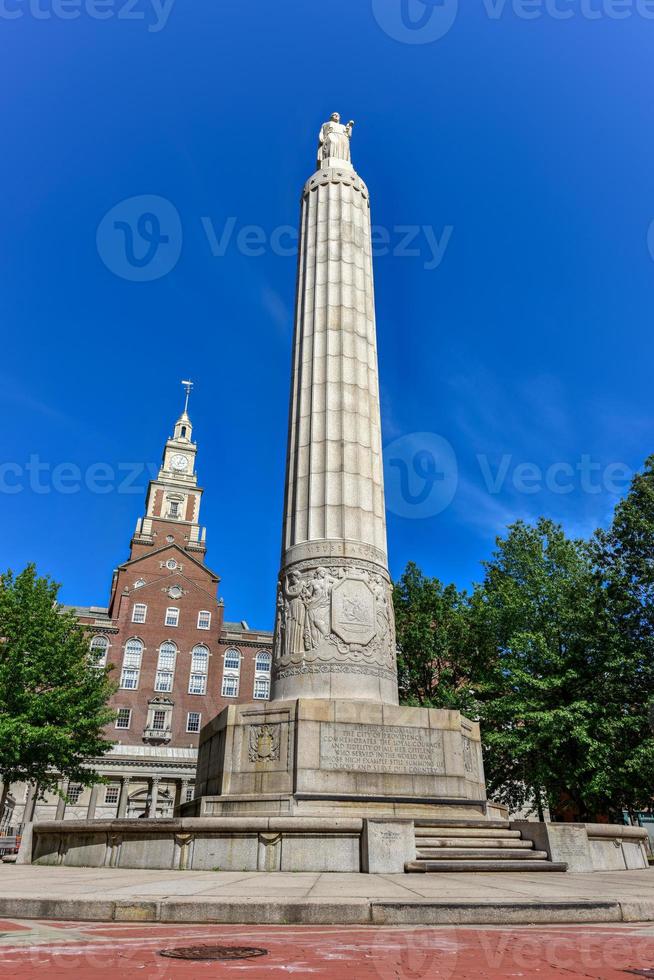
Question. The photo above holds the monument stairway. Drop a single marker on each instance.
(447, 846)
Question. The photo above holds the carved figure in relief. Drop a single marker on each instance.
(296, 614)
(334, 139)
(318, 593)
(380, 593)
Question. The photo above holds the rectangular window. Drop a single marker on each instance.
(124, 718)
(261, 689)
(204, 619)
(230, 687)
(159, 720)
(111, 794)
(232, 660)
(74, 792)
(129, 678)
(164, 681)
(174, 508)
(197, 684)
(139, 612)
(172, 616)
(190, 793)
(193, 721)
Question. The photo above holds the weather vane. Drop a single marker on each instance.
(189, 387)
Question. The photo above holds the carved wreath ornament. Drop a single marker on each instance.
(264, 743)
(332, 611)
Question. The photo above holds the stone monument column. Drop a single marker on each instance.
(334, 632)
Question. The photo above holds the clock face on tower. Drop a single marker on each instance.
(179, 463)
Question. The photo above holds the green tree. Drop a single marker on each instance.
(541, 618)
(625, 561)
(434, 643)
(53, 703)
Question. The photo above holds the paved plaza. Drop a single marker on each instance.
(101, 950)
(104, 894)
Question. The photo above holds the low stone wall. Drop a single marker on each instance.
(589, 847)
(226, 844)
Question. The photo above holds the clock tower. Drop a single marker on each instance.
(172, 507)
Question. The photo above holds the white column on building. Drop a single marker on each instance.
(154, 795)
(93, 802)
(124, 794)
(335, 635)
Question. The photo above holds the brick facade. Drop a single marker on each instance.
(172, 652)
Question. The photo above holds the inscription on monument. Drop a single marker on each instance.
(381, 748)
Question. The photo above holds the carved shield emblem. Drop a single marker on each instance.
(264, 743)
(353, 611)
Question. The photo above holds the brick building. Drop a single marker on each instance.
(177, 660)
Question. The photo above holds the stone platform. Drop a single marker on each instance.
(105, 894)
(313, 757)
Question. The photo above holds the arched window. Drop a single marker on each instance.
(199, 669)
(99, 646)
(183, 432)
(129, 677)
(262, 665)
(231, 674)
(232, 660)
(166, 667)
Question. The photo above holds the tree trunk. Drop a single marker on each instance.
(3, 800)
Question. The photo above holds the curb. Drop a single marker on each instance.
(363, 911)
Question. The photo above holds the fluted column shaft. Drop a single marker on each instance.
(334, 632)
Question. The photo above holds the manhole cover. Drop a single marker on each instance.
(213, 952)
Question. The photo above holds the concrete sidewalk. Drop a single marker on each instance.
(28, 892)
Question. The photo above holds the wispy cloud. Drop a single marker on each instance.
(275, 307)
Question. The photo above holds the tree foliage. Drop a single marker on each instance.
(554, 654)
(433, 639)
(53, 704)
(540, 618)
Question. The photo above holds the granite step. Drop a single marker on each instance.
(451, 834)
(487, 854)
(455, 867)
(465, 824)
(447, 844)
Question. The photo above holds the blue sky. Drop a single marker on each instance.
(514, 328)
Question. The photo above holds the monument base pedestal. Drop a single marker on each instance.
(312, 757)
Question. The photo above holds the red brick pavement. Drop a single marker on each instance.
(56, 950)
